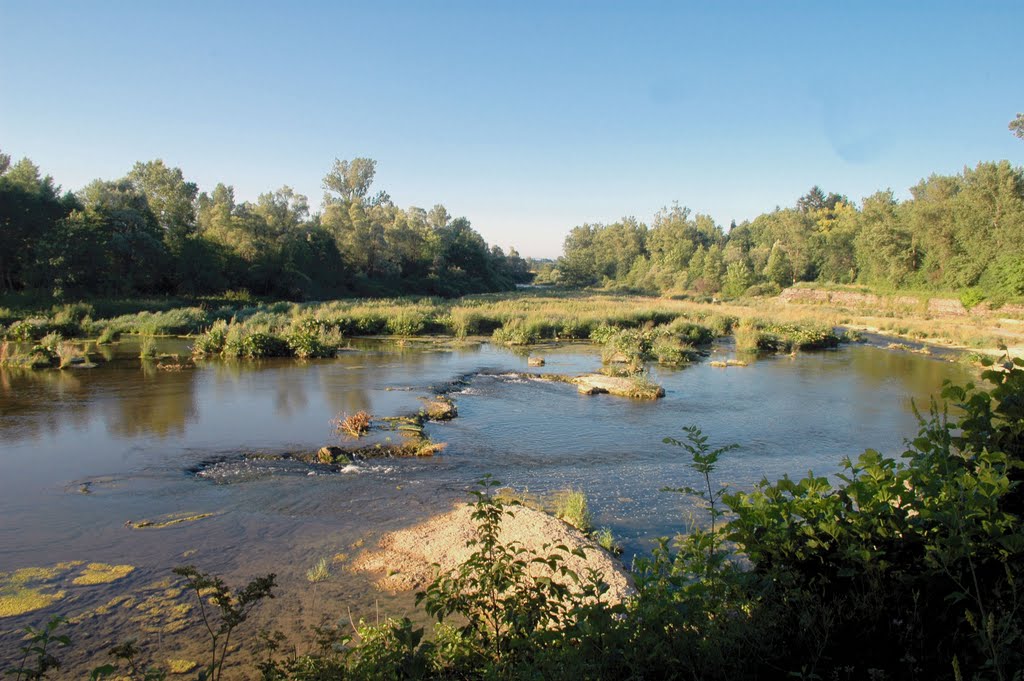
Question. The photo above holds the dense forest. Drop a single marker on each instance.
(152, 231)
(956, 233)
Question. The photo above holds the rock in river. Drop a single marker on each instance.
(592, 384)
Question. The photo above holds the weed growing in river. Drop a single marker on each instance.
(320, 572)
(607, 541)
(352, 425)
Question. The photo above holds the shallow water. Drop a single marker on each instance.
(83, 451)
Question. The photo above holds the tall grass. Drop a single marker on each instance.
(572, 507)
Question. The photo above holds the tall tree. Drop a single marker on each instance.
(1017, 126)
(171, 200)
(30, 207)
(886, 251)
(779, 270)
(349, 181)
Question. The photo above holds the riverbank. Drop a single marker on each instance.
(527, 316)
(667, 330)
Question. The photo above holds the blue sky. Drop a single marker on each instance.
(527, 118)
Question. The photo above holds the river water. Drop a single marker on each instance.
(84, 451)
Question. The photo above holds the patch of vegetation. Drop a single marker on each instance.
(607, 541)
(440, 408)
(320, 572)
(572, 507)
(352, 425)
(167, 521)
(102, 573)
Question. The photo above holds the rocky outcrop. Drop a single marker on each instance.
(624, 386)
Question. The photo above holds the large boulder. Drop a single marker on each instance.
(624, 386)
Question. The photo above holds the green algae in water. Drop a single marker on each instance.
(18, 600)
(166, 521)
(179, 666)
(102, 573)
(30, 589)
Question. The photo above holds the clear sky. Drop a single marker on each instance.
(526, 117)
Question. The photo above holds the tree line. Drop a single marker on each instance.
(957, 232)
(154, 232)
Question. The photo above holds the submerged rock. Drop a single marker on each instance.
(332, 454)
(535, 361)
(624, 386)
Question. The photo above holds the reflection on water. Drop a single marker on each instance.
(84, 451)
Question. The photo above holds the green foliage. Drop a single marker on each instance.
(240, 341)
(572, 507)
(37, 656)
(320, 572)
(127, 653)
(970, 297)
(153, 231)
(779, 270)
(631, 347)
(922, 554)
(759, 335)
(147, 347)
(672, 351)
(232, 609)
(506, 612)
(24, 330)
(766, 290)
(212, 341)
(738, 279)
(312, 338)
(515, 332)
(407, 323)
(605, 538)
(956, 232)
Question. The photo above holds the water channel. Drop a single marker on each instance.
(83, 451)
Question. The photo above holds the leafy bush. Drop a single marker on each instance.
(212, 341)
(506, 611)
(406, 323)
(25, 330)
(971, 297)
(672, 351)
(922, 556)
(310, 343)
(629, 346)
(767, 290)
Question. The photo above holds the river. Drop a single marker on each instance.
(83, 451)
